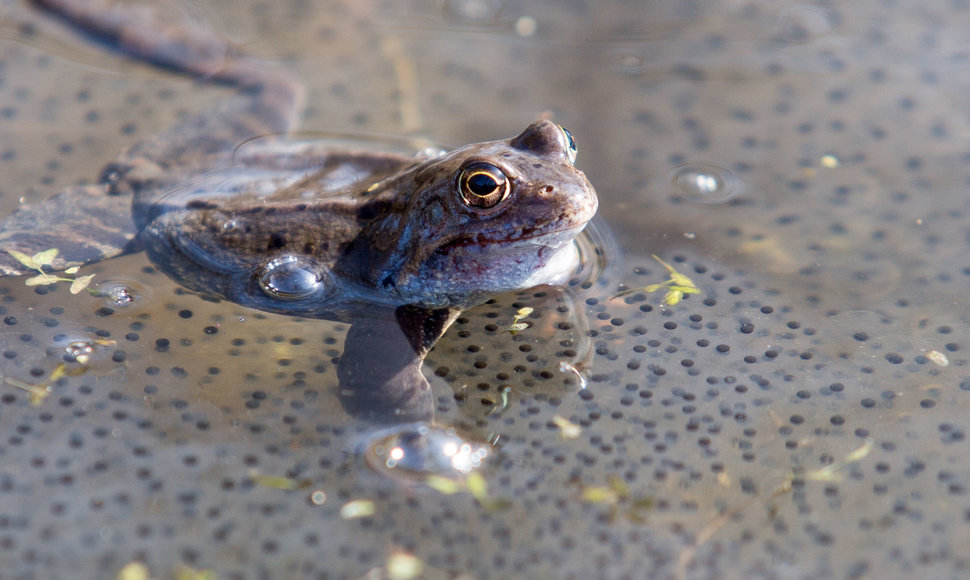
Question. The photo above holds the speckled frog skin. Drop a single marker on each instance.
(444, 232)
(226, 205)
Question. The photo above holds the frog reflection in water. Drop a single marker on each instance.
(395, 245)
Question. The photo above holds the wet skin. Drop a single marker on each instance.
(396, 245)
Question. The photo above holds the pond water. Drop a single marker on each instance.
(803, 415)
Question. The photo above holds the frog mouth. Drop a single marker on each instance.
(534, 236)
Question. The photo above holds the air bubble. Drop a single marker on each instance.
(704, 183)
(292, 278)
(630, 64)
(475, 12)
(429, 153)
(80, 350)
(91, 353)
(234, 224)
(414, 452)
(120, 294)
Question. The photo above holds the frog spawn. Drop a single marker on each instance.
(738, 416)
(687, 400)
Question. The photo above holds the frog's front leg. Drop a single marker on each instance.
(380, 368)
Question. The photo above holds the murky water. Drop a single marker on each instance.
(802, 416)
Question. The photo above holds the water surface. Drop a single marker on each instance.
(802, 416)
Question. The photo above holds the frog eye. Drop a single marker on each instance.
(482, 186)
(569, 144)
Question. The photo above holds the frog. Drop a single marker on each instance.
(230, 204)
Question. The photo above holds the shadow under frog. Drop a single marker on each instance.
(395, 245)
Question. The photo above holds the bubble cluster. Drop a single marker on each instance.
(120, 294)
(417, 452)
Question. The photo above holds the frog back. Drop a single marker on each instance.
(269, 230)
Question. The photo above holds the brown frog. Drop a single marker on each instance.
(396, 245)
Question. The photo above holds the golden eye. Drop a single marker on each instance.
(482, 186)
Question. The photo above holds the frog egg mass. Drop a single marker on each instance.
(764, 375)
